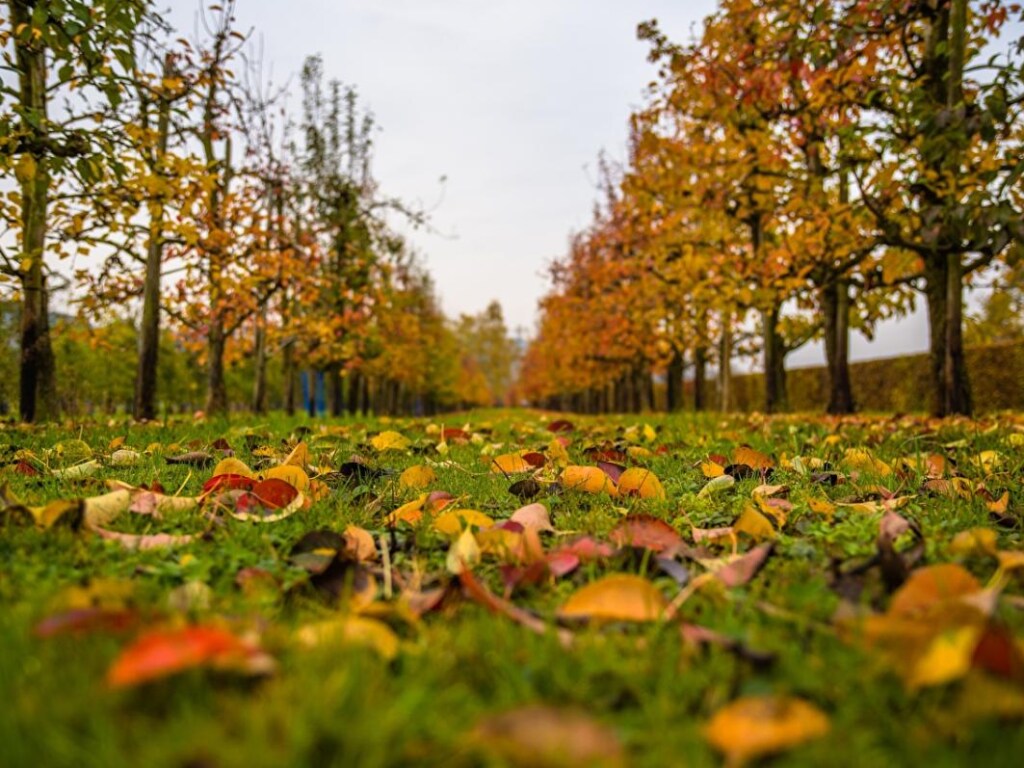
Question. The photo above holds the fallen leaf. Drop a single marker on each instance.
(546, 737)
(618, 597)
(351, 630)
(755, 726)
(232, 466)
(389, 441)
(646, 532)
(163, 652)
(419, 476)
(587, 480)
(510, 464)
(640, 482)
(533, 516)
(463, 554)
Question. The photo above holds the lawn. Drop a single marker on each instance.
(694, 590)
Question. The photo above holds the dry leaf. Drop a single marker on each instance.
(618, 597)
(753, 727)
(587, 480)
(640, 482)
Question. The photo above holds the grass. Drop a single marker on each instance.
(346, 705)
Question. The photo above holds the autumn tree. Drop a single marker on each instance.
(54, 49)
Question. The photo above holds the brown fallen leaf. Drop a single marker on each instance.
(646, 532)
(541, 736)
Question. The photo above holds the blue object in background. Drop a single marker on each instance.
(318, 393)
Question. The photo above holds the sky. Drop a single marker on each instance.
(511, 102)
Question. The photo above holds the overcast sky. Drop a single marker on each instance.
(511, 101)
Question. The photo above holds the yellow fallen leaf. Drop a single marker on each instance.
(232, 466)
(509, 464)
(557, 453)
(292, 474)
(711, 469)
(862, 461)
(618, 597)
(419, 476)
(947, 658)
(754, 524)
(975, 541)
(389, 441)
(463, 554)
(351, 630)
(299, 456)
(755, 726)
(452, 523)
(821, 507)
(587, 480)
(63, 510)
(642, 483)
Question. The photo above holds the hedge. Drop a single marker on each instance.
(899, 384)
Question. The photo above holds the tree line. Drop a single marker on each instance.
(215, 214)
(798, 171)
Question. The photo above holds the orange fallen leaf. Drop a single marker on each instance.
(164, 652)
(510, 464)
(640, 482)
(755, 726)
(618, 597)
(587, 480)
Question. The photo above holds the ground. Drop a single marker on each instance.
(845, 592)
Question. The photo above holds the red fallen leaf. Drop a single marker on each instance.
(998, 653)
(718, 459)
(454, 434)
(80, 621)
(510, 525)
(614, 471)
(586, 549)
(562, 563)
(228, 483)
(275, 493)
(220, 444)
(561, 425)
(534, 459)
(24, 468)
(160, 653)
(742, 570)
(155, 487)
(611, 455)
(565, 442)
(646, 532)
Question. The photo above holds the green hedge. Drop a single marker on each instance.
(900, 383)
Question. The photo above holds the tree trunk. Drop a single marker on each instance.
(144, 406)
(290, 374)
(700, 363)
(956, 390)
(216, 387)
(259, 385)
(337, 396)
(775, 398)
(674, 383)
(354, 379)
(725, 366)
(37, 387)
(835, 304)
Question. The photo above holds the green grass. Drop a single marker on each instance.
(345, 705)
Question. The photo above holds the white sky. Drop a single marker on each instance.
(512, 101)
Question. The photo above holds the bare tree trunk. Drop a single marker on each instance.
(700, 372)
(725, 366)
(835, 303)
(216, 386)
(775, 398)
(956, 390)
(259, 385)
(674, 383)
(336, 395)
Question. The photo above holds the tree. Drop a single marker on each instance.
(54, 47)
